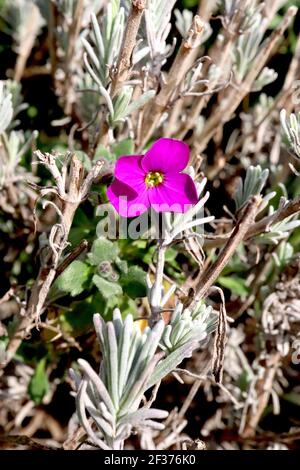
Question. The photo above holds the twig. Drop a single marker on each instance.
(71, 194)
(27, 41)
(7, 295)
(210, 275)
(10, 442)
(35, 70)
(204, 378)
(176, 74)
(122, 71)
(205, 10)
(71, 257)
(263, 389)
(221, 55)
(153, 395)
(76, 439)
(260, 276)
(262, 226)
(59, 333)
(235, 96)
(198, 105)
(51, 38)
(191, 395)
(220, 341)
(285, 437)
(293, 72)
(74, 30)
(72, 38)
(285, 210)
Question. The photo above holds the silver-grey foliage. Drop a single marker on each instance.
(186, 326)
(254, 182)
(133, 361)
(100, 58)
(113, 397)
(291, 131)
(13, 144)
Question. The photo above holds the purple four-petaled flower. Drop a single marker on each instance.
(153, 179)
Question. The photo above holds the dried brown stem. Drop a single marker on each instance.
(285, 98)
(263, 389)
(7, 295)
(191, 395)
(205, 378)
(224, 113)
(124, 62)
(13, 442)
(27, 41)
(71, 193)
(76, 439)
(45, 276)
(205, 10)
(71, 257)
(210, 275)
(285, 210)
(176, 74)
(73, 35)
(198, 105)
(51, 38)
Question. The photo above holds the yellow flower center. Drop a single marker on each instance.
(153, 179)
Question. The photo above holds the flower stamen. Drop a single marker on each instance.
(154, 179)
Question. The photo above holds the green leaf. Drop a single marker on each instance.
(101, 152)
(121, 265)
(74, 278)
(77, 234)
(148, 256)
(292, 397)
(39, 384)
(235, 284)
(109, 290)
(115, 7)
(125, 147)
(84, 159)
(80, 317)
(243, 381)
(83, 227)
(128, 306)
(171, 255)
(103, 250)
(134, 282)
(190, 3)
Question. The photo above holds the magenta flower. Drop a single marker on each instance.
(153, 179)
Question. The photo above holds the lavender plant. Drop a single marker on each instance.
(139, 106)
(130, 366)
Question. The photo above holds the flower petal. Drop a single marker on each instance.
(127, 201)
(129, 170)
(167, 156)
(175, 194)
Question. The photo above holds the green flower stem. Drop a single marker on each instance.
(156, 290)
